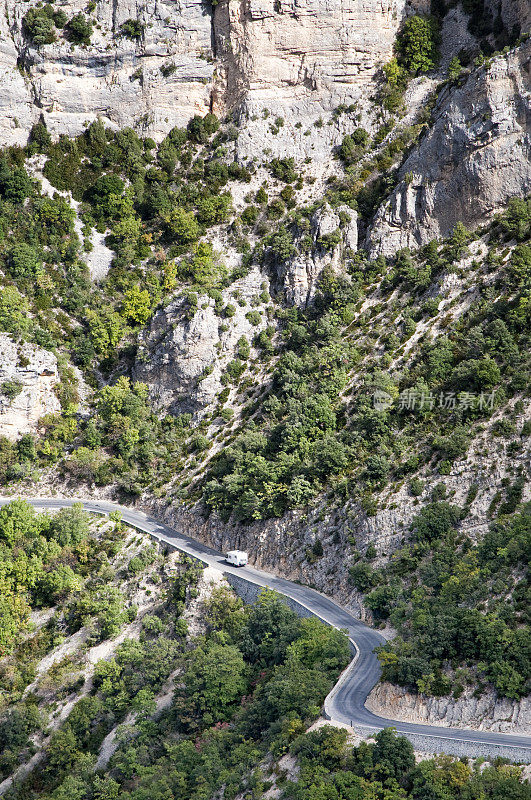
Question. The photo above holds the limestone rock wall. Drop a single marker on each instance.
(284, 53)
(115, 78)
(299, 276)
(182, 359)
(487, 712)
(35, 370)
(475, 156)
(295, 57)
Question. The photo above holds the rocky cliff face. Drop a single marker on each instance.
(291, 57)
(488, 712)
(476, 156)
(300, 60)
(298, 277)
(28, 377)
(183, 356)
(115, 78)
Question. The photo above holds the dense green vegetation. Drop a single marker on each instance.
(39, 562)
(249, 684)
(461, 610)
(246, 689)
(329, 770)
(57, 562)
(154, 218)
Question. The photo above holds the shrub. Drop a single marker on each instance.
(23, 261)
(132, 29)
(317, 549)
(454, 69)
(79, 29)
(283, 169)
(38, 26)
(261, 196)
(275, 209)
(249, 215)
(435, 521)
(200, 129)
(354, 145)
(11, 388)
(253, 317)
(417, 44)
(416, 487)
(15, 183)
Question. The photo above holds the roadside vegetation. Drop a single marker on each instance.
(248, 684)
(193, 716)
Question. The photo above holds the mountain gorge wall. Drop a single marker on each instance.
(296, 56)
(474, 158)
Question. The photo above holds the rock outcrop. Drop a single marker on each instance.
(184, 352)
(296, 59)
(182, 357)
(28, 377)
(487, 712)
(476, 155)
(152, 83)
(330, 233)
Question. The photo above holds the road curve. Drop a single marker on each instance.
(346, 701)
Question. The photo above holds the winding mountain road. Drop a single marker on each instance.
(346, 701)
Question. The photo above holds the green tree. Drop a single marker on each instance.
(454, 69)
(216, 679)
(137, 305)
(435, 521)
(271, 628)
(14, 311)
(319, 646)
(519, 267)
(15, 183)
(393, 756)
(417, 44)
(517, 219)
(24, 261)
(106, 330)
(181, 225)
(38, 26)
(79, 29)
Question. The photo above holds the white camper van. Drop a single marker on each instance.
(238, 558)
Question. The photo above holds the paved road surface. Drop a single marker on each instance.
(346, 702)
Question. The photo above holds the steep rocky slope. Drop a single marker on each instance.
(476, 155)
(236, 295)
(28, 379)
